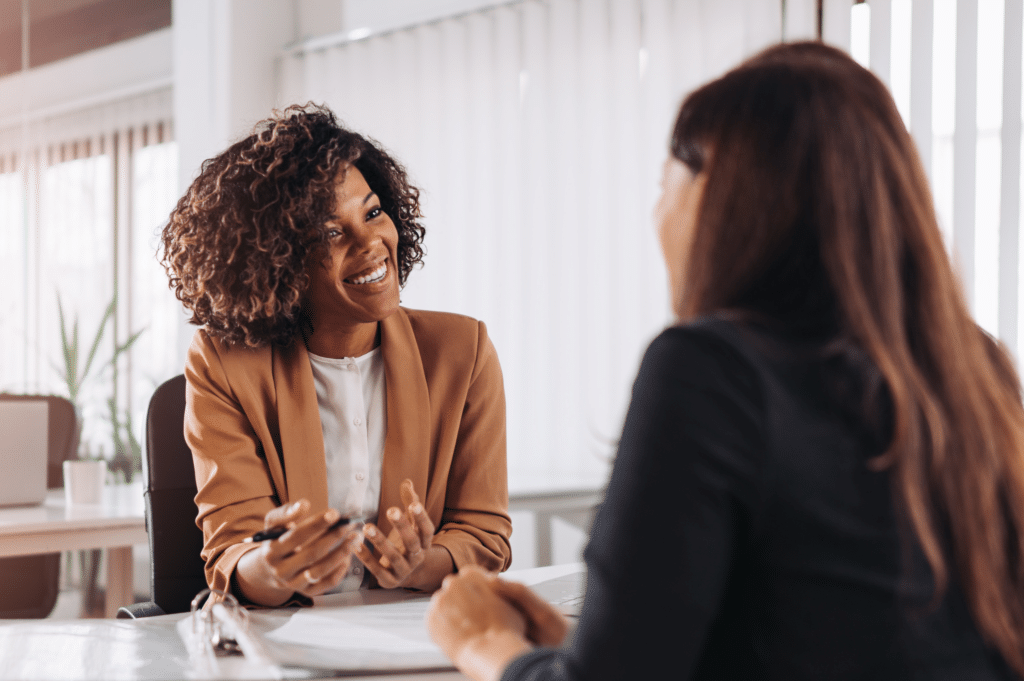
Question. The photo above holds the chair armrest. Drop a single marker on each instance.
(137, 610)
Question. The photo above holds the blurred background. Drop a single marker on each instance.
(535, 129)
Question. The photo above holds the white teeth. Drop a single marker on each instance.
(373, 277)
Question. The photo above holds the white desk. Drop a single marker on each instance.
(148, 649)
(116, 525)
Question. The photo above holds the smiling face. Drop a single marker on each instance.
(676, 218)
(356, 286)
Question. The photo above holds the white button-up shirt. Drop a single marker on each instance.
(352, 401)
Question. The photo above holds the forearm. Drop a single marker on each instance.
(254, 579)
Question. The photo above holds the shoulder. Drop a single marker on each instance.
(447, 333)
(208, 353)
(697, 419)
(444, 326)
(707, 354)
(450, 343)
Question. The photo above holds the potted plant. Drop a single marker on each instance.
(74, 373)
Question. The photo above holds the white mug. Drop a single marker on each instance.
(83, 481)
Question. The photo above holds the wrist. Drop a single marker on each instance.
(485, 656)
(254, 580)
(437, 564)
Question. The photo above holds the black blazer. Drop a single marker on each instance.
(745, 537)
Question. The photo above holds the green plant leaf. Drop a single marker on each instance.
(65, 347)
(124, 347)
(99, 336)
(73, 367)
(69, 350)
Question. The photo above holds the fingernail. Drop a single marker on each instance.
(370, 531)
(394, 513)
(416, 508)
(295, 507)
(331, 515)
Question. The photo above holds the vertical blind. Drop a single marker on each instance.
(536, 131)
(954, 67)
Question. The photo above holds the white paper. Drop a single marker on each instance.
(388, 628)
(361, 632)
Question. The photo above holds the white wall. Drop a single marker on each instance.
(225, 56)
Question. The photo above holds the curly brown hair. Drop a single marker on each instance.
(238, 244)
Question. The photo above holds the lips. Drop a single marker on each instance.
(370, 275)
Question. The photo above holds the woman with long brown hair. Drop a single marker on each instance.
(822, 467)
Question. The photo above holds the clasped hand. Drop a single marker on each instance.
(482, 622)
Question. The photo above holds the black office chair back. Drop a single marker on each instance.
(177, 570)
(29, 584)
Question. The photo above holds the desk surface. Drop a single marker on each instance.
(120, 520)
(145, 649)
(116, 524)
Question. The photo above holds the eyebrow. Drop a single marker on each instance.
(368, 196)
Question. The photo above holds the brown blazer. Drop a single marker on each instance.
(252, 421)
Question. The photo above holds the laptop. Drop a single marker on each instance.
(24, 449)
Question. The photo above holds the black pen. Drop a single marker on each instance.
(275, 532)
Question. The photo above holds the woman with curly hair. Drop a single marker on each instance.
(312, 395)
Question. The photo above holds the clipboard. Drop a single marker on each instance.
(217, 637)
(361, 633)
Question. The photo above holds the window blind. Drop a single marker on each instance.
(536, 131)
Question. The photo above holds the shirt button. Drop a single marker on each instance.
(358, 421)
(359, 476)
(350, 367)
(357, 570)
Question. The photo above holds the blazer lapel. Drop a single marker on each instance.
(302, 442)
(407, 444)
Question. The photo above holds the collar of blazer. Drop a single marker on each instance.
(406, 446)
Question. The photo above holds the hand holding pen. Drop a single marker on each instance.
(298, 552)
(275, 532)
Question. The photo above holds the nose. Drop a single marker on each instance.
(364, 237)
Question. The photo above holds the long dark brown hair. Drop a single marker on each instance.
(817, 213)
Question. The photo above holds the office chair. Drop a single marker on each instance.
(177, 572)
(29, 584)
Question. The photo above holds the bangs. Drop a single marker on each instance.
(699, 123)
(689, 138)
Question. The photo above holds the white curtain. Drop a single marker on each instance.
(82, 191)
(536, 131)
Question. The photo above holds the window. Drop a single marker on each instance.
(79, 220)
